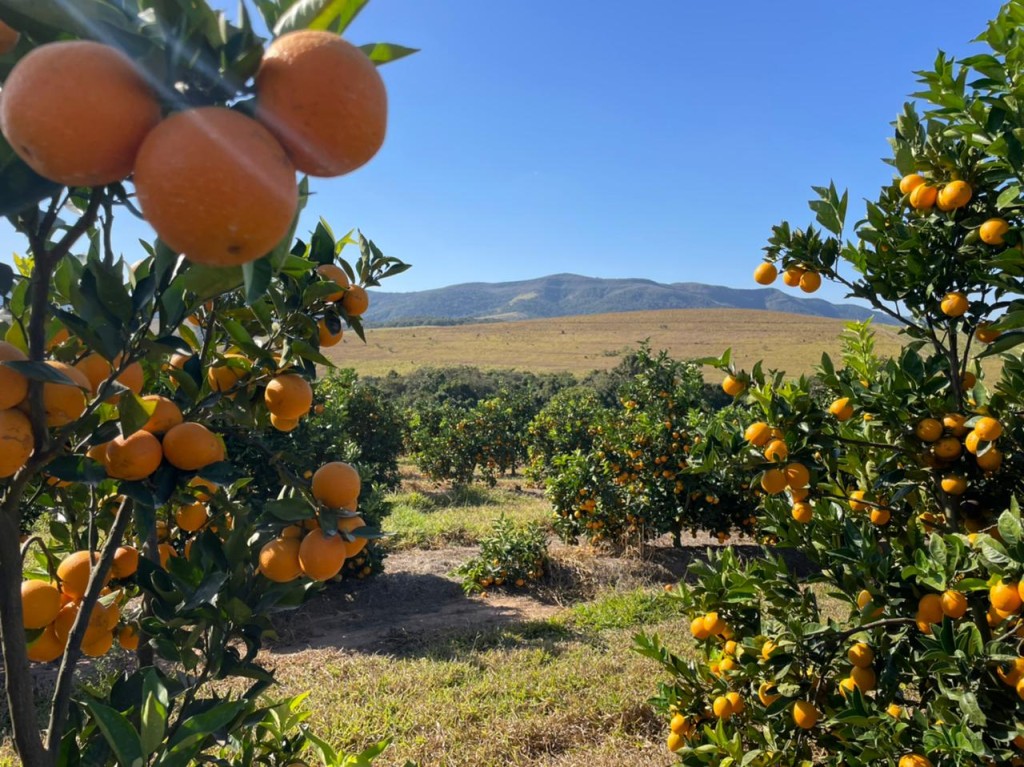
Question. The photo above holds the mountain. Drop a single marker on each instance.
(562, 295)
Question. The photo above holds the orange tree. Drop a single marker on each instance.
(121, 385)
(897, 482)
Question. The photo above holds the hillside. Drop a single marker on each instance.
(583, 343)
(564, 295)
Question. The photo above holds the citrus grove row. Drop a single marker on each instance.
(884, 624)
(148, 411)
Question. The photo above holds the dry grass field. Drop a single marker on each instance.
(583, 343)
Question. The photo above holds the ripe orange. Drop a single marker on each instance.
(74, 571)
(722, 707)
(954, 603)
(928, 429)
(674, 742)
(766, 693)
(13, 385)
(923, 197)
(191, 517)
(791, 277)
(324, 100)
(972, 442)
(347, 525)
(736, 701)
(50, 112)
(985, 333)
(988, 429)
(776, 450)
(327, 338)
(126, 562)
(356, 301)
(955, 194)
(132, 378)
(289, 396)
(954, 484)
(94, 367)
(320, 555)
(955, 423)
(98, 644)
(846, 686)
(797, 475)
(128, 638)
(216, 186)
(929, 608)
(910, 182)
(860, 655)
(765, 273)
(8, 38)
(697, 628)
(802, 512)
(47, 647)
(954, 305)
(714, 623)
(40, 603)
(805, 715)
(1005, 597)
(166, 415)
(335, 274)
(191, 446)
(915, 760)
(279, 560)
(810, 282)
(223, 376)
(16, 442)
(733, 386)
(758, 434)
(992, 231)
(857, 503)
(947, 448)
(841, 409)
(283, 424)
(880, 517)
(773, 481)
(968, 381)
(63, 402)
(864, 678)
(336, 485)
(990, 460)
(134, 457)
(203, 489)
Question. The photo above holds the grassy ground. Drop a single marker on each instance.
(580, 344)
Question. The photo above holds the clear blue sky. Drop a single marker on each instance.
(658, 139)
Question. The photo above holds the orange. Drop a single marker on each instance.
(13, 385)
(992, 231)
(697, 628)
(288, 396)
(841, 409)
(8, 38)
(758, 434)
(126, 562)
(972, 442)
(40, 603)
(988, 429)
(955, 194)
(334, 273)
(64, 403)
(133, 458)
(675, 741)
(166, 551)
(74, 571)
(191, 517)
(860, 655)
(805, 715)
(766, 693)
(47, 647)
(324, 100)
(191, 446)
(94, 367)
(1005, 597)
(336, 485)
(922, 197)
(894, 710)
(736, 701)
(224, 376)
(954, 305)
(797, 475)
(955, 423)
(929, 608)
(928, 429)
(178, 360)
(810, 282)
(910, 182)
(733, 386)
(857, 501)
(279, 560)
(320, 555)
(98, 644)
(283, 424)
(128, 638)
(864, 678)
(776, 450)
(765, 273)
(216, 186)
(356, 301)
(954, 484)
(327, 338)
(16, 442)
(132, 377)
(968, 381)
(915, 760)
(64, 621)
(792, 275)
(203, 489)
(880, 517)
(722, 707)
(802, 512)
(347, 525)
(773, 481)
(947, 448)
(165, 416)
(985, 333)
(847, 686)
(990, 460)
(954, 603)
(51, 112)
(713, 623)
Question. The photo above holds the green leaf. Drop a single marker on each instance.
(1008, 198)
(332, 15)
(209, 281)
(385, 53)
(289, 509)
(133, 412)
(154, 712)
(40, 371)
(256, 276)
(123, 739)
(20, 186)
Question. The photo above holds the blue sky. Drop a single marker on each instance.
(658, 139)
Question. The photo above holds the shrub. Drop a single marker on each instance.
(510, 557)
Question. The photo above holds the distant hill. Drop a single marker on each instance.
(564, 295)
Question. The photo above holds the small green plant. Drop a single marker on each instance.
(511, 556)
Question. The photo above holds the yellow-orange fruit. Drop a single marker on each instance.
(972, 442)
(337, 275)
(191, 517)
(968, 381)
(923, 197)
(283, 424)
(929, 608)
(697, 628)
(955, 194)
(320, 555)
(216, 186)
(47, 647)
(356, 301)
(674, 742)
(928, 429)
(288, 396)
(166, 415)
(776, 450)
(63, 402)
(758, 434)
(864, 678)
(947, 448)
(722, 707)
(954, 304)
(765, 273)
(40, 603)
(94, 367)
(98, 644)
(16, 442)
(203, 489)
(992, 231)
(954, 604)
(347, 525)
(805, 715)
(841, 409)
(988, 429)
(766, 693)
(1005, 597)
(791, 276)
(8, 38)
(77, 112)
(990, 460)
(985, 333)
(327, 338)
(773, 481)
(714, 624)
(324, 100)
(955, 422)
(13, 385)
(861, 655)
(733, 386)
(134, 457)
(954, 484)
(797, 475)
(279, 560)
(336, 485)
(915, 760)
(802, 512)
(910, 182)
(132, 377)
(128, 638)
(224, 376)
(880, 517)
(126, 562)
(810, 282)
(74, 571)
(191, 446)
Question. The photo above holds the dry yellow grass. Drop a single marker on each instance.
(579, 344)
